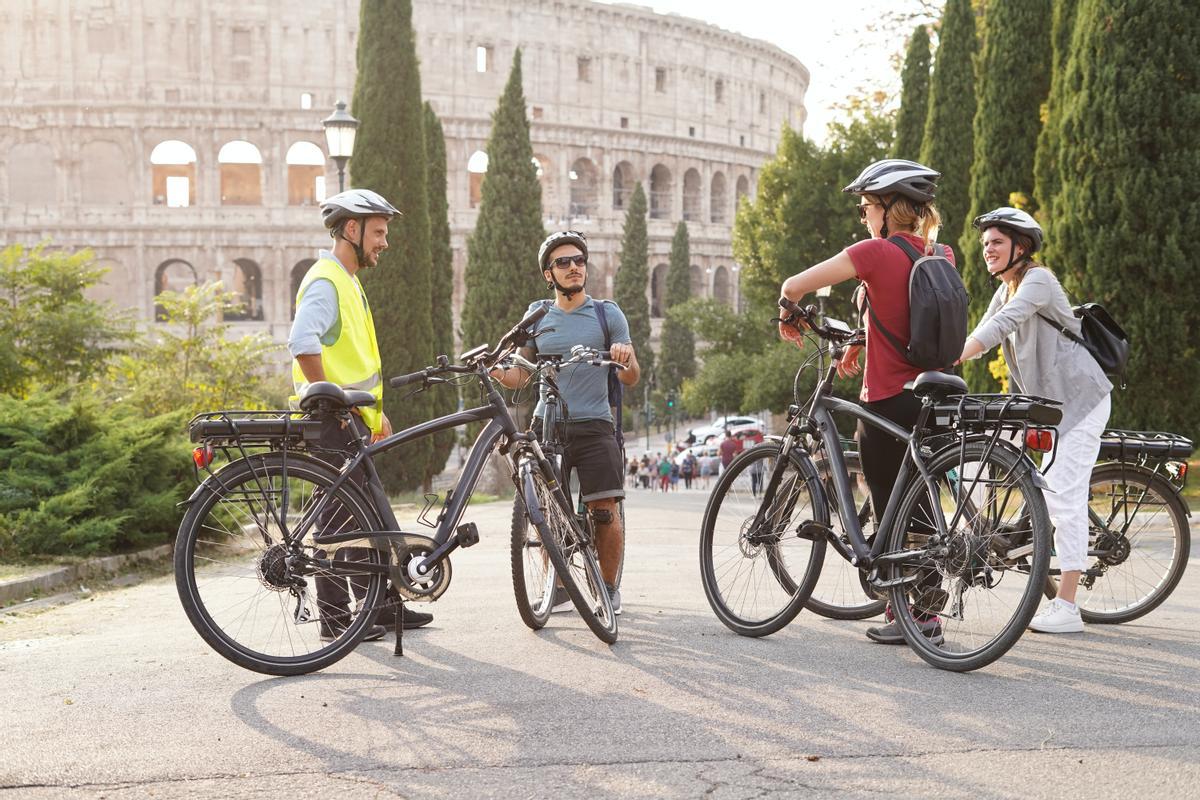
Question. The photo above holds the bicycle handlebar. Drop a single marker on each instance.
(805, 319)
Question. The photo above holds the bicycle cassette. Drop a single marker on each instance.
(407, 550)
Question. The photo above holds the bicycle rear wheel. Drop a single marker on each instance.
(983, 583)
(758, 575)
(265, 601)
(841, 591)
(532, 572)
(1139, 537)
(572, 553)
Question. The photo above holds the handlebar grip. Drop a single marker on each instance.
(405, 380)
(533, 317)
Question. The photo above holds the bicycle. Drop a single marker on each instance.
(260, 531)
(1138, 533)
(965, 498)
(533, 576)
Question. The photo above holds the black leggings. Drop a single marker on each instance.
(881, 455)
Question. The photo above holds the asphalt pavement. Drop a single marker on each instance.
(116, 696)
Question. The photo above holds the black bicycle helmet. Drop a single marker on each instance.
(896, 176)
(558, 239)
(1014, 219)
(355, 204)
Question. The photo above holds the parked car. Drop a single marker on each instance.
(698, 450)
(716, 429)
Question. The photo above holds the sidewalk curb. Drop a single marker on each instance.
(17, 590)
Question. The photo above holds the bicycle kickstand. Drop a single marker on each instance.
(399, 651)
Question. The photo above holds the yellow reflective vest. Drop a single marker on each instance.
(352, 361)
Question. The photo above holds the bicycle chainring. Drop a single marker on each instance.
(407, 548)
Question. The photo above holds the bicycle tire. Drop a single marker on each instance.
(727, 533)
(232, 575)
(572, 554)
(975, 555)
(841, 591)
(532, 573)
(1108, 504)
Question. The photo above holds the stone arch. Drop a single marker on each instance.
(696, 281)
(691, 195)
(241, 173)
(721, 287)
(623, 183)
(477, 166)
(305, 174)
(173, 174)
(104, 174)
(658, 290)
(172, 275)
(718, 200)
(299, 270)
(247, 287)
(585, 185)
(32, 178)
(660, 192)
(743, 188)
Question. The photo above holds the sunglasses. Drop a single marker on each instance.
(563, 262)
(862, 210)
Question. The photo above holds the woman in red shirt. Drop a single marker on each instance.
(896, 200)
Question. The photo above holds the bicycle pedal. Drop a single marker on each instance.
(879, 583)
(813, 531)
(467, 534)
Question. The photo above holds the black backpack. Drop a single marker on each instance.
(616, 389)
(1102, 336)
(937, 310)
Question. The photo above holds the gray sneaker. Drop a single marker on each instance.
(890, 633)
(615, 596)
(562, 601)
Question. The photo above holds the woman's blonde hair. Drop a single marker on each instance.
(905, 214)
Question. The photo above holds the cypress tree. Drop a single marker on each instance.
(389, 157)
(947, 144)
(1045, 172)
(1014, 79)
(502, 278)
(443, 400)
(678, 346)
(630, 282)
(914, 97)
(1128, 206)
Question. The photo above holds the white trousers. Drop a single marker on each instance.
(1068, 478)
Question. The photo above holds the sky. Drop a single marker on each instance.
(830, 37)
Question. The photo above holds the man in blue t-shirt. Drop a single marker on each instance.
(589, 433)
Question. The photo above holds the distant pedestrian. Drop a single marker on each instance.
(664, 473)
(730, 447)
(674, 475)
(688, 469)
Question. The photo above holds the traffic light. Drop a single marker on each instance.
(670, 399)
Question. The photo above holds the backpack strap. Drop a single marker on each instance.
(1063, 329)
(615, 389)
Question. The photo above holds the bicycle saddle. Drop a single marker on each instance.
(333, 395)
(938, 385)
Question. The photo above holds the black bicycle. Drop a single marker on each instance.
(963, 546)
(533, 574)
(261, 533)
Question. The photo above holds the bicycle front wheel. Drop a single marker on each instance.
(532, 572)
(756, 568)
(254, 583)
(1139, 537)
(573, 555)
(965, 600)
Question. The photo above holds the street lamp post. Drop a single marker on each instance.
(340, 129)
(822, 293)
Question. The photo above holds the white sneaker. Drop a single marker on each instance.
(562, 601)
(1057, 617)
(614, 595)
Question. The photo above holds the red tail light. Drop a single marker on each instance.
(1039, 440)
(203, 455)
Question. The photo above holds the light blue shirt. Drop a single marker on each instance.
(583, 387)
(318, 321)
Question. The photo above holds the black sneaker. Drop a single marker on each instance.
(331, 630)
(412, 619)
(890, 633)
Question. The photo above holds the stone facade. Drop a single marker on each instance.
(616, 94)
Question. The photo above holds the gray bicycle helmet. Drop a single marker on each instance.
(558, 239)
(355, 204)
(896, 176)
(1014, 219)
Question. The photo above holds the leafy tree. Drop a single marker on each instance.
(389, 157)
(190, 362)
(1014, 78)
(914, 97)
(947, 145)
(54, 334)
(678, 346)
(442, 263)
(1045, 171)
(1128, 206)
(502, 277)
(629, 284)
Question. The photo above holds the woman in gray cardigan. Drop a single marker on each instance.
(1042, 361)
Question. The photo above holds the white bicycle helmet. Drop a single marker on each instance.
(896, 176)
(558, 239)
(1014, 219)
(355, 204)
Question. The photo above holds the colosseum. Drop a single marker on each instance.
(183, 142)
